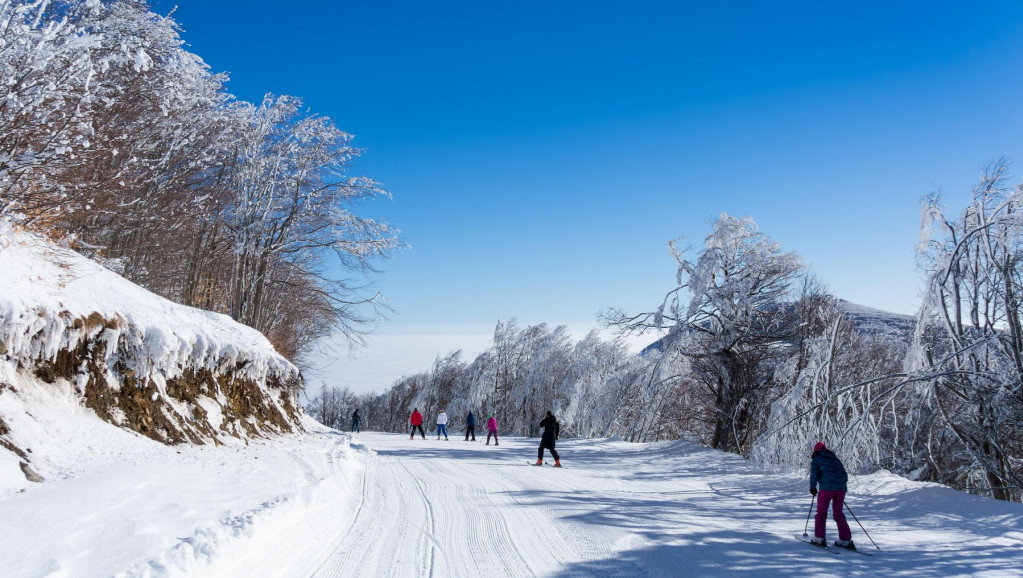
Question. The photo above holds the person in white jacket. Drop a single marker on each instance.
(442, 423)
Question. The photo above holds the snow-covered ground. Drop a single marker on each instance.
(117, 503)
(377, 504)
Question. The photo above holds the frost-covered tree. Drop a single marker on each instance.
(291, 200)
(540, 375)
(156, 138)
(526, 372)
(603, 381)
(94, 96)
(969, 351)
(842, 387)
(333, 407)
(45, 98)
(728, 316)
(121, 142)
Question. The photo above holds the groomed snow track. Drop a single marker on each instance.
(455, 508)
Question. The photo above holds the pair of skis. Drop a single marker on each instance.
(833, 549)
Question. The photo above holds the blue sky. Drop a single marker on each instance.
(540, 154)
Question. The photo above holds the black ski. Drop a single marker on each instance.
(841, 549)
(834, 549)
(825, 548)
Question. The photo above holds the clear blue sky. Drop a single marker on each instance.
(540, 154)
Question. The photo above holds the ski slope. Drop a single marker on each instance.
(329, 504)
(435, 508)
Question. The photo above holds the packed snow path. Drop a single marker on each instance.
(456, 508)
(118, 504)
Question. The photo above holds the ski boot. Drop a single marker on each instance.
(819, 542)
(557, 463)
(847, 544)
(538, 463)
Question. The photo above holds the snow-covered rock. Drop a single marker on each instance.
(172, 373)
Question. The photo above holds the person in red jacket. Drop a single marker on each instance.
(416, 419)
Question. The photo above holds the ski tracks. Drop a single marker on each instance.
(445, 514)
(382, 535)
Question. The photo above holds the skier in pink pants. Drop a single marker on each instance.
(827, 471)
(491, 429)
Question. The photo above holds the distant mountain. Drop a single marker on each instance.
(870, 321)
(866, 320)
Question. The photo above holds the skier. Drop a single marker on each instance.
(470, 427)
(551, 430)
(491, 428)
(356, 420)
(442, 425)
(827, 471)
(416, 419)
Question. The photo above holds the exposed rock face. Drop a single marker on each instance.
(193, 405)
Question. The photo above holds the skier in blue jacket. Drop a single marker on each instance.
(470, 427)
(827, 472)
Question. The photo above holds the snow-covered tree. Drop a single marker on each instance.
(291, 201)
(156, 138)
(118, 140)
(45, 97)
(841, 387)
(733, 326)
(602, 382)
(969, 351)
(330, 406)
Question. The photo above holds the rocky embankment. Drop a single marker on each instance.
(169, 372)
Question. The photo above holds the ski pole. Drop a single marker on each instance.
(861, 527)
(807, 525)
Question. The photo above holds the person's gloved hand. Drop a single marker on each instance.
(813, 491)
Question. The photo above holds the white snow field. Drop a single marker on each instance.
(377, 504)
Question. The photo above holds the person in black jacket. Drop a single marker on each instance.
(470, 427)
(551, 430)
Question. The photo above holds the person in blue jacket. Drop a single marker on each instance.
(470, 427)
(828, 473)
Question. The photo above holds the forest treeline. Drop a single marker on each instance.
(121, 143)
(758, 359)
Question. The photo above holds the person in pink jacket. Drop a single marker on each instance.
(491, 428)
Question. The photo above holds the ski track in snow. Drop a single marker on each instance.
(433, 517)
(434, 508)
(332, 505)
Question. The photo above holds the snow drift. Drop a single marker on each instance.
(172, 373)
